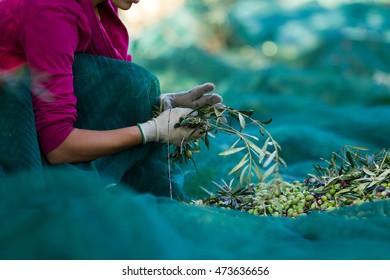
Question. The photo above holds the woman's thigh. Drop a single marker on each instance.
(112, 93)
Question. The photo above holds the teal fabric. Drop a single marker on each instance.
(332, 93)
(76, 212)
(73, 216)
(19, 149)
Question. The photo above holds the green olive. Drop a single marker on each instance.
(188, 153)
(309, 197)
(294, 201)
(337, 186)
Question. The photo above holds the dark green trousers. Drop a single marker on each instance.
(110, 94)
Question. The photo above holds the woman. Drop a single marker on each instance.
(92, 107)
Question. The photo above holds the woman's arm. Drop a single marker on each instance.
(50, 38)
(85, 145)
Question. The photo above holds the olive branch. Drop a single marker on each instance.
(256, 163)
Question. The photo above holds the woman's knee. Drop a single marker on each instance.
(117, 89)
(145, 83)
(97, 73)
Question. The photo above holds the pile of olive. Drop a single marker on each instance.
(295, 199)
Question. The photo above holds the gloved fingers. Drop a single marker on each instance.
(208, 99)
(167, 102)
(183, 135)
(218, 105)
(198, 91)
(198, 96)
(196, 134)
(179, 112)
(165, 128)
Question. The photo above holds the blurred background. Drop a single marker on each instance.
(319, 69)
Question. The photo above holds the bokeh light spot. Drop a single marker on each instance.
(269, 48)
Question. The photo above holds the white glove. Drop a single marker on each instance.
(162, 128)
(194, 98)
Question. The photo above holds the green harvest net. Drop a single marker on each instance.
(73, 216)
(80, 212)
(75, 212)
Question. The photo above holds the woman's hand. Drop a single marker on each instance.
(194, 98)
(85, 145)
(162, 128)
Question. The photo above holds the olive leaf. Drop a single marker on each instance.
(231, 151)
(242, 121)
(243, 161)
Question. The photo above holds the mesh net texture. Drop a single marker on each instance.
(74, 216)
(117, 207)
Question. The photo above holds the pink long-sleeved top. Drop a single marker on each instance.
(45, 35)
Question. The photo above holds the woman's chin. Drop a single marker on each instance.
(126, 6)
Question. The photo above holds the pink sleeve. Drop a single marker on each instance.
(51, 39)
